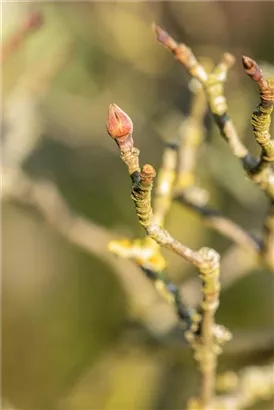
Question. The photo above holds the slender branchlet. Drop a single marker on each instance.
(153, 265)
(141, 192)
(191, 134)
(188, 318)
(146, 252)
(186, 190)
(206, 344)
(141, 195)
(268, 237)
(261, 117)
(203, 334)
(215, 220)
(262, 170)
(143, 252)
(259, 169)
(165, 183)
(251, 385)
(213, 85)
(182, 53)
(31, 23)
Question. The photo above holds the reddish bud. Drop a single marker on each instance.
(164, 38)
(252, 68)
(119, 124)
(265, 86)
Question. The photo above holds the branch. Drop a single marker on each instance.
(45, 197)
(187, 191)
(253, 384)
(215, 220)
(188, 318)
(205, 345)
(261, 120)
(165, 182)
(213, 85)
(31, 23)
(268, 237)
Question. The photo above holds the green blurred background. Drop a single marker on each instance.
(71, 337)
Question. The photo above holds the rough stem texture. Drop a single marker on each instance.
(204, 343)
(213, 85)
(259, 170)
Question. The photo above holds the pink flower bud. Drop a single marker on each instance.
(119, 123)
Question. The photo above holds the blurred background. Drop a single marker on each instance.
(82, 329)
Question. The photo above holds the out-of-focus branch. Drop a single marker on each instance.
(31, 23)
(268, 236)
(253, 384)
(21, 109)
(164, 185)
(214, 219)
(44, 197)
(21, 116)
(191, 135)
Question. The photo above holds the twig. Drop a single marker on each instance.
(186, 190)
(206, 259)
(214, 219)
(45, 197)
(261, 120)
(268, 237)
(31, 23)
(206, 355)
(213, 85)
(165, 182)
(191, 135)
(251, 385)
(188, 318)
(142, 180)
(236, 263)
(207, 343)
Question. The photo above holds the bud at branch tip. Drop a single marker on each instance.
(119, 124)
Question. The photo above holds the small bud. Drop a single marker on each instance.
(247, 62)
(252, 68)
(119, 123)
(148, 173)
(164, 38)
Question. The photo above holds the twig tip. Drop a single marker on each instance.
(119, 124)
(248, 63)
(148, 173)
